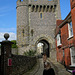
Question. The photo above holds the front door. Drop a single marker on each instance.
(72, 53)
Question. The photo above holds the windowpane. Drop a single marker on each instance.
(40, 15)
(72, 53)
(70, 29)
(58, 39)
(70, 24)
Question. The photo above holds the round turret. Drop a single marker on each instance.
(22, 22)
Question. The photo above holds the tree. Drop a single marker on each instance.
(14, 45)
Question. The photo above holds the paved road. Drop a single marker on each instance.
(41, 68)
(59, 68)
(38, 69)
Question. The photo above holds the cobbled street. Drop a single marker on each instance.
(38, 69)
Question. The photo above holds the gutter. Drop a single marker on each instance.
(66, 20)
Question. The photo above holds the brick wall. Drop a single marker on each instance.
(73, 17)
(21, 64)
(65, 40)
(64, 47)
(64, 35)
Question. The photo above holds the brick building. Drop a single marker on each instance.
(65, 38)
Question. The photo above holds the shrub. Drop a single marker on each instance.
(14, 45)
(30, 53)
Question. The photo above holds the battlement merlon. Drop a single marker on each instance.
(42, 2)
(22, 3)
(38, 2)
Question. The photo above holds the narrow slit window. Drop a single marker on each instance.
(40, 15)
(23, 32)
(22, 0)
(35, 0)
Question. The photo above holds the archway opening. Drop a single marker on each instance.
(43, 47)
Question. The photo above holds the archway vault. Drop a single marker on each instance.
(43, 36)
(46, 40)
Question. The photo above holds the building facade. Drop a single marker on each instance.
(65, 38)
(36, 22)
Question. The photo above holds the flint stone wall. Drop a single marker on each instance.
(21, 64)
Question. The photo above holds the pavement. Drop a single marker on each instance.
(59, 68)
(39, 67)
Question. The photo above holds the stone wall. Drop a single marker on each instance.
(14, 51)
(30, 24)
(21, 64)
(53, 54)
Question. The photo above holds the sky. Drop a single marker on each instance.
(8, 21)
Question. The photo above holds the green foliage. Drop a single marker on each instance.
(30, 53)
(14, 45)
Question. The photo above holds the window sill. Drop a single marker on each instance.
(72, 65)
(70, 37)
(60, 45)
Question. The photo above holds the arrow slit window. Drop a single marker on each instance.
(23, 32)
(41, 15)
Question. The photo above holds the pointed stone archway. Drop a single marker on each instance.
(46, 45)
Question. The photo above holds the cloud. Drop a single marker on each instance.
(7, 29)
(12, 36)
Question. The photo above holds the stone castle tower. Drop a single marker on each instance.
(36, 22)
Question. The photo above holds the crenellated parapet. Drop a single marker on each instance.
(22, 3)
(43, 8)
(42, 2)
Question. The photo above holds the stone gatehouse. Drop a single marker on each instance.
(36, 22)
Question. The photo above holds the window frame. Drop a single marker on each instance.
(70, 29)
(59, 39)
(40, 15)
(72, 55)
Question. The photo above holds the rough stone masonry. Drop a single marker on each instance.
(36, 21)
